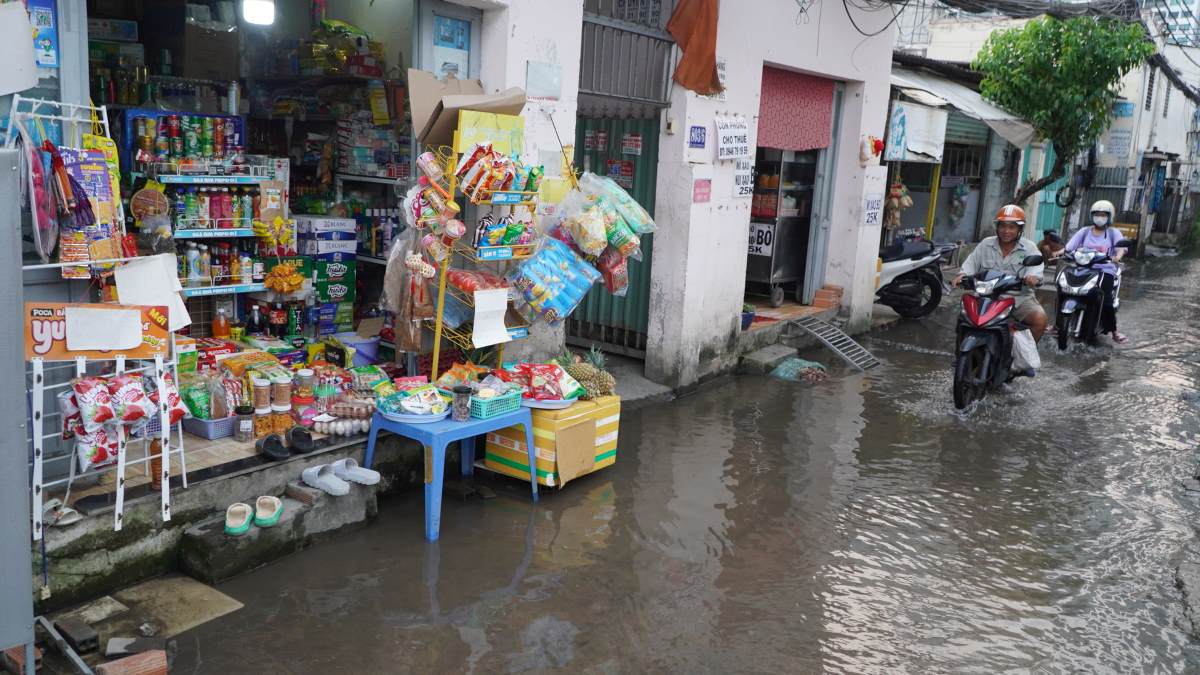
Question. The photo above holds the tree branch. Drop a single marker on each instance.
(1035, 186)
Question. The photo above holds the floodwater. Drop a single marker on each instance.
(856, 525)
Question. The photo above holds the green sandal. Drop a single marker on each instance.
(238, 518)
(267, 511)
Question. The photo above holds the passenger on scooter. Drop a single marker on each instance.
(1005, 252)
(1102, 237)
(1051, 245)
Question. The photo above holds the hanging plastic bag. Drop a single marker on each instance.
(1025, 353)
(635, 216)
(42, 208)
(554, 281)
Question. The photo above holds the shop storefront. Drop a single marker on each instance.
(260, 240)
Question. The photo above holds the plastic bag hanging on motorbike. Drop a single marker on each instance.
(1025, 353)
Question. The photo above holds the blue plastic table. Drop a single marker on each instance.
(436, 436)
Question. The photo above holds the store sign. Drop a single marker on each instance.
(105, 328)
(702, 191)
(1123, 109)
(733, 137)
(696, 136)
(602, 140)
(621, 171)
(874, 189)
(743, 179)
(762, 239)
(916, 133)
(631, 144)
(1118, 143)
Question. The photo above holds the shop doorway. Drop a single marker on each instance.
(605, 146)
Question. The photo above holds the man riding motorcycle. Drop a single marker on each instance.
(1102, 237)
(1004, 252)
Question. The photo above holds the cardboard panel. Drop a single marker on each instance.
(576, 451)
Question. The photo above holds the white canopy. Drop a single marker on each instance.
(930, 89)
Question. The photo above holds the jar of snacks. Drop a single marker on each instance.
(460, 410)
(304, 409)
(243, 430)
(281, 391)
(264, 424)
(281, 418)
(262, 393)
(304, 382)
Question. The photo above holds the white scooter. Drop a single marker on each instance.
(911, 281)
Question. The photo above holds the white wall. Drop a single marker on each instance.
(699, 267)
(955, 39)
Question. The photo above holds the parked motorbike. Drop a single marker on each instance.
(910, 280)
(1081, 297)
(983, 355)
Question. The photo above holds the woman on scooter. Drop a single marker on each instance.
(1102, 237)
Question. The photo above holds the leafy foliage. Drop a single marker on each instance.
(1062, 77)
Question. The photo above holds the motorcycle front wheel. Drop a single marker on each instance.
(1063, 327)
(931, 297)
(968, 376)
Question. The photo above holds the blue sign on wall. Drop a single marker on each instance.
(697, 136)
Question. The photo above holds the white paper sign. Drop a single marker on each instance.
(153, 280)
(743, 179)
(733, 137)
(762, 239)
(16, 50)
(103, 329)
(490, 307)
(874, 188)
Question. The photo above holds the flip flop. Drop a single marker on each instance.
(300, 440)
(267, 511)
(272, 447)
(348, 470)
(323, 478)
(55, 514)
(238, 518)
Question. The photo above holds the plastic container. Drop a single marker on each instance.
(281, 392)
(243, 430)
(263, 424)
(365, 349)
(281, 418)
(485, 408)
(210, 429)
(262, 393)
(304, 409)
(304, 382)
(460, 406)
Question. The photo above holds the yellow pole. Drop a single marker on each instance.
(451, 161)
(933, 195)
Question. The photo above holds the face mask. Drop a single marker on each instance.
(1100, 221)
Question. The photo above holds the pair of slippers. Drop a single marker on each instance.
(335, 479)
(276, 447)
(239, 517)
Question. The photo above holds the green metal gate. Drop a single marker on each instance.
(603, 146)
(1049, 213)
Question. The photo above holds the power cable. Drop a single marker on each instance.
(850, 15)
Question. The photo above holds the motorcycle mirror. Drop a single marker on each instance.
(1032, 261)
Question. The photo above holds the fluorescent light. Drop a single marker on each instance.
(261, 12)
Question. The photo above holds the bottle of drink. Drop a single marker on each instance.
(204, 208)
(235, 267)
(256, 325)
(247, 269)
(247, 209)
(257, 199)
(181, 209)
(226, 208)
(193, 210)
(192, 258)
(220, 324)
(235, 208)
(278, 320)
(205, 265)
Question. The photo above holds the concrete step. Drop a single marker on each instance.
(210, 555)
(764, 360)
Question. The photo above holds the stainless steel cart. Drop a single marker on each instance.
(779, 222)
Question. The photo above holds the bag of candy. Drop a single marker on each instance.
(96, 449)
(620, 235)
(469, 281)
(128, 395)
(72, 421)
(176, 411)
(615, 268)
(94, 401)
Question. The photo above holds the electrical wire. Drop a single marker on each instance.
(850, 15)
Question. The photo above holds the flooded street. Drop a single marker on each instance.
(855, 525)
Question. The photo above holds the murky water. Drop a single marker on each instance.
(858, 525)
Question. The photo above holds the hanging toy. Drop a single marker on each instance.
(72, 198)
(897, 201)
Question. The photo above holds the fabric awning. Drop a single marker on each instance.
(967, 101)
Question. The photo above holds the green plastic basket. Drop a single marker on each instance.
(486, 408)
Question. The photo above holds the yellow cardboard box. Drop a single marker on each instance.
(570, 443)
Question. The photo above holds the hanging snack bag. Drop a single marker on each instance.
(96, 449)
(587, 229)
(72, 422)
(470, 158)
(129, 400)
(469, 281)
(615, 268)
(176, 411)
(620, 235)
(94, 401)
(554, 281)
(602, 186)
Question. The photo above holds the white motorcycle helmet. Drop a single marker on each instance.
(1103, 213)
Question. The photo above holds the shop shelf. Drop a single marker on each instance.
(200, 291)
(356, 178)
(215, 233)
(510, 198)
(372, 260)
(461, 336)
(198, 179)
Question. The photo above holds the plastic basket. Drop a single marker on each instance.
(486, 408)
(210, 429)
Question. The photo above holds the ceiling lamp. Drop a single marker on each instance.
(259, 12)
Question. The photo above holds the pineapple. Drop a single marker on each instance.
(590, 373)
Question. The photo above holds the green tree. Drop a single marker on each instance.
(1062, 77)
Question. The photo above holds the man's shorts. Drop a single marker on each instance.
(1026, 307)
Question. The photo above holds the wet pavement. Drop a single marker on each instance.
(856, 525)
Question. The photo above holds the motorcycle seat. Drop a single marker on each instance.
(905, 250)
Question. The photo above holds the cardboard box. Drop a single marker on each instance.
(308, 224)
(186, 354)
(345, 272)
(313, 247)
(335, 292)
(209, 54)
(570, 443)
(435, 104)
(328, 236)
